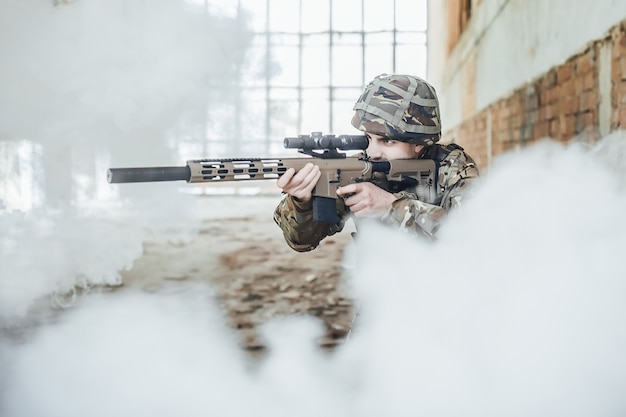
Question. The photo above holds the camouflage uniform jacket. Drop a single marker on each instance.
(456, 172)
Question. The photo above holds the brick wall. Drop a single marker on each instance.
(618, 79)
(562, 104)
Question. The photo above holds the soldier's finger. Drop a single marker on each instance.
(348, 189)
(311, 180)
(296, 179)
(312, 175)
(360, 208)
(285, 179)
(305, 171)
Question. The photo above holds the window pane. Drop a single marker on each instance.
(379, 39)
(315, 15)
(283, 118)
(254, 64)
(304, 64)
(342, 115)
(372, 69)
(350, 39)
(411, 59)
(347, 65)
(347, 15)
(315, 94)
(282, 94)
(285, 39)
(320, 39)
(378, 55)
(315, 111)
(411, 15)
(252, 120)
(315, 64)
(285, 70)
(378, 15)
(226, 8)
(406, 38)
(284, 16)
(255, 14)
(350, 94)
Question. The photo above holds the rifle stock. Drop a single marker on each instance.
(337, 171)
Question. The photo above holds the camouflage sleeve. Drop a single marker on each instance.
(301, 232)
(409, 213)
(457, 173)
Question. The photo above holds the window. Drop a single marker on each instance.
(289, 67)
(310, 60)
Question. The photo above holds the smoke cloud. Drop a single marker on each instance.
(89, 85)
(517, 309)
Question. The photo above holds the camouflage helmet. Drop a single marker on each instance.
(400, 107)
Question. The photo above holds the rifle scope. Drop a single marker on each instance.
(319, 141)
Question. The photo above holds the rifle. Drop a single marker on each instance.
(322, 150)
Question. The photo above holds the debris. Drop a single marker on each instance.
(176, 277)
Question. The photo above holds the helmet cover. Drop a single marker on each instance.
(400, 107)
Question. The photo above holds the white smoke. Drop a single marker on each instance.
(88, 85)
(516, 310)
(111, 72)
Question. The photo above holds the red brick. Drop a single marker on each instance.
(565, 72)
(567, 105)
(541, 129)
(622, 67)
(622, 116)
(621, 42)
(555, 128)
(620, 93)
(589, 81)
(567, 89)
(515, 121)
(551, 95)
(533, 101)
(615, 118)
(549, 80)
(585, 122)
(616, 74)
(568, 126)
(579, 83)
(588, 101)
(551, 111)
(584, 63)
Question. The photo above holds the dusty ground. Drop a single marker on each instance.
(230, 243)
(240, 251)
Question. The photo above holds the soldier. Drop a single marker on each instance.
(400, 116)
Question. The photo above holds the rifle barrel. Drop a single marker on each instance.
(151, 174)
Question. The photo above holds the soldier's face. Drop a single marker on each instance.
(381, 148)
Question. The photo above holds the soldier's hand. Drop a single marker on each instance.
(366, 199)
(300, 184)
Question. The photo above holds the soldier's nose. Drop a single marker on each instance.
(373, 153)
